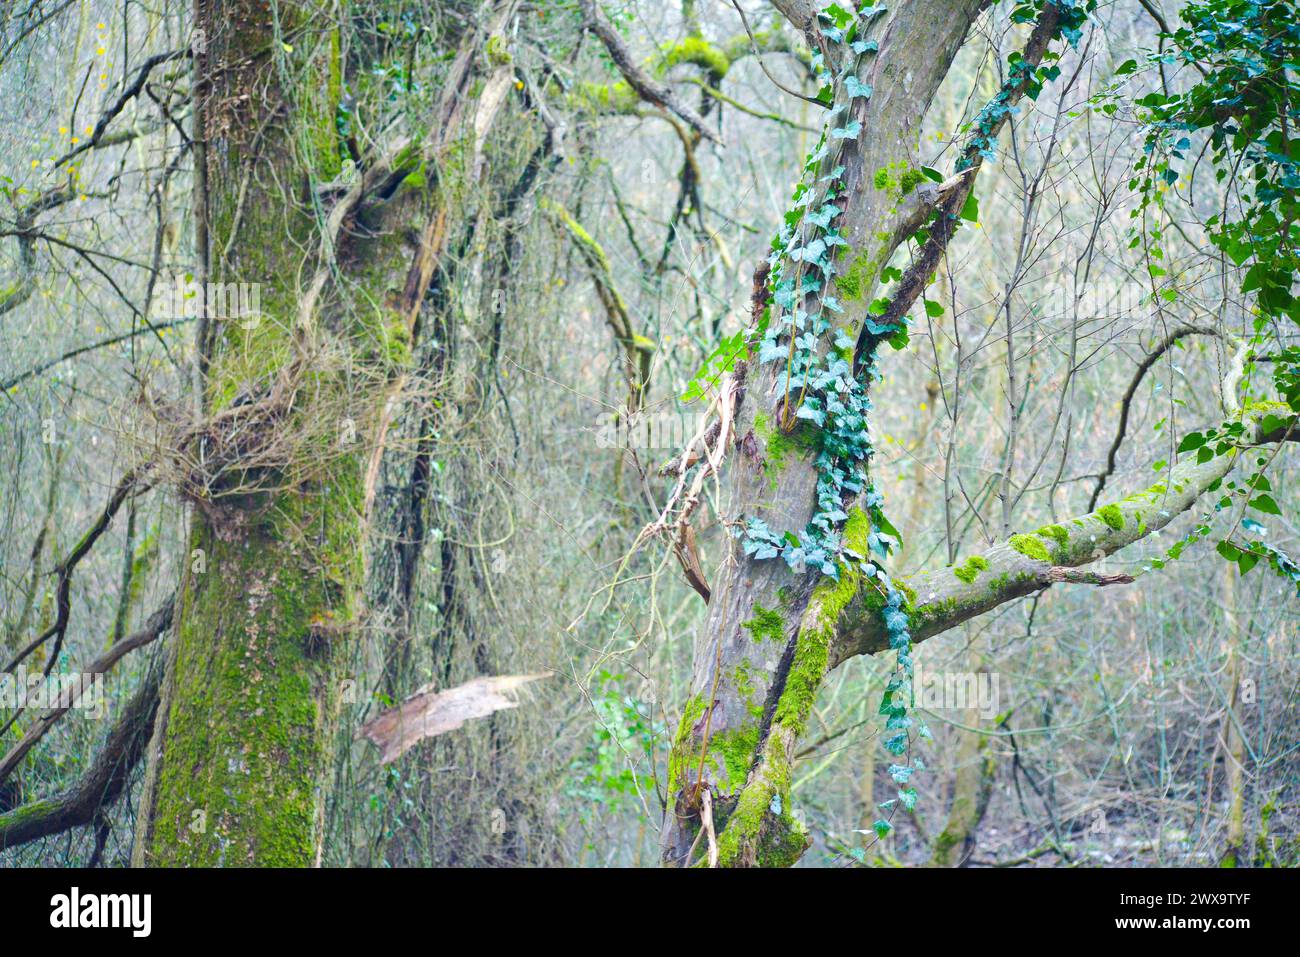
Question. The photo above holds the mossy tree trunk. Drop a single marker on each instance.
(242, 749)
(766, 644)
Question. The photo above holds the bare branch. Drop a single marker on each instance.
(156, 625)
(1164, 346)
(103, 783)
(648, 88)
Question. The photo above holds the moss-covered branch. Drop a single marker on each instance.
(1032, 561)
(638, 350)
(713, 60)
(101, 785)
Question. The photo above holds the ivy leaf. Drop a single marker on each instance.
(900, 773)
(838, 15)
(822, 217)
(848, 132)
(857, 89)
(812, 414)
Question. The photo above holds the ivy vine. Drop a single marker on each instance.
(828, 389)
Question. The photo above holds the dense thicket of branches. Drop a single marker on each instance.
(466, 434)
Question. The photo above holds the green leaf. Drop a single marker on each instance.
(838, 15)
(1228, 550)
(1265, 504)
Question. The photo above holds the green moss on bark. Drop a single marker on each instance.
(778, 446)
(1031, 546)
(249, 732)
(1056, 533)
(680, 754)
(696, 51)
(1112, 515)
(761, 830)
(971, 569)
(766, 625)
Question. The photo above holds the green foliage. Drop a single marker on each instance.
(1242, 111)
(624, 734)
(718, 363)
(1021, 76)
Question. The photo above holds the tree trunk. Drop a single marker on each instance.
(1234, 746)
(765, 646)
(243, 746)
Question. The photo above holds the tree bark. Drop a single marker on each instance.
(772, 636)
(755, 675)
(243, 747)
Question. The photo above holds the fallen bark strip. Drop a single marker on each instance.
(428, 713)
